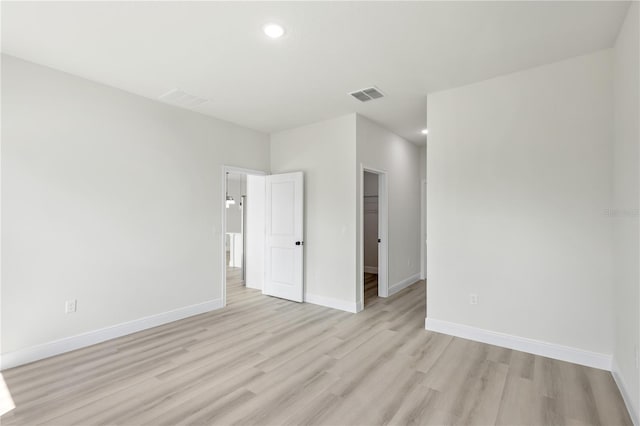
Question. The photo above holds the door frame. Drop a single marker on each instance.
(423, 229)
(383, 232)
(223, 218)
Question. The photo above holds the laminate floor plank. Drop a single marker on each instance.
(267, 361)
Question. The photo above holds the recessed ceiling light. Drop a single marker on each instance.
(273, 30)
(425, 131)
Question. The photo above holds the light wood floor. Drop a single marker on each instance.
(370, 289)
(266, 361)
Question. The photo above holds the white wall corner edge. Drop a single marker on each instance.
(330, 302)
(632, 408)
(401, 285)
(523, 344)
(67, 344)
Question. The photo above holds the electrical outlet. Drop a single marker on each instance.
(473, 299)
(70, 306)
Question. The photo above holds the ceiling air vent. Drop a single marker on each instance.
(182, 99)
(368, 94)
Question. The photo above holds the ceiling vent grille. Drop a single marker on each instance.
(368, 94)
(182, 99)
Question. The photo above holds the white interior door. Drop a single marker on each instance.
(284, 236)
(254, 253)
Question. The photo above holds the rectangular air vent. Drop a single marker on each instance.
(368, 94)
(182, 99)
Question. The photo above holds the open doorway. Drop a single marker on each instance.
(370, 236)
(262, 239)
(243, 232)
(235, 229)
(374, 236)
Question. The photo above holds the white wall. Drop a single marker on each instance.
(370, 202)
(110, 199)
(326, 153)
(518, 180)
(423, 211)
(423, 161)
(380, 149)
(625, 209)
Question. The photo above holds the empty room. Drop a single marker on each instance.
(320, 213)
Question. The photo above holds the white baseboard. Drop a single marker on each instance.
(330, 302)
(523, 344)
(46, 350)
(371, 269)
(251, 284)
(401, 285)
(632, 408)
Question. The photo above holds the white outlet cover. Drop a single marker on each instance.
(70, 306)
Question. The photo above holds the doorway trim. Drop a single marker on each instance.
(383, 232)
(423, 229)
(223, 224)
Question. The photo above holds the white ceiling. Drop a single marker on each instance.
(216, 50)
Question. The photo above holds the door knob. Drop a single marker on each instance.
(299, 243)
